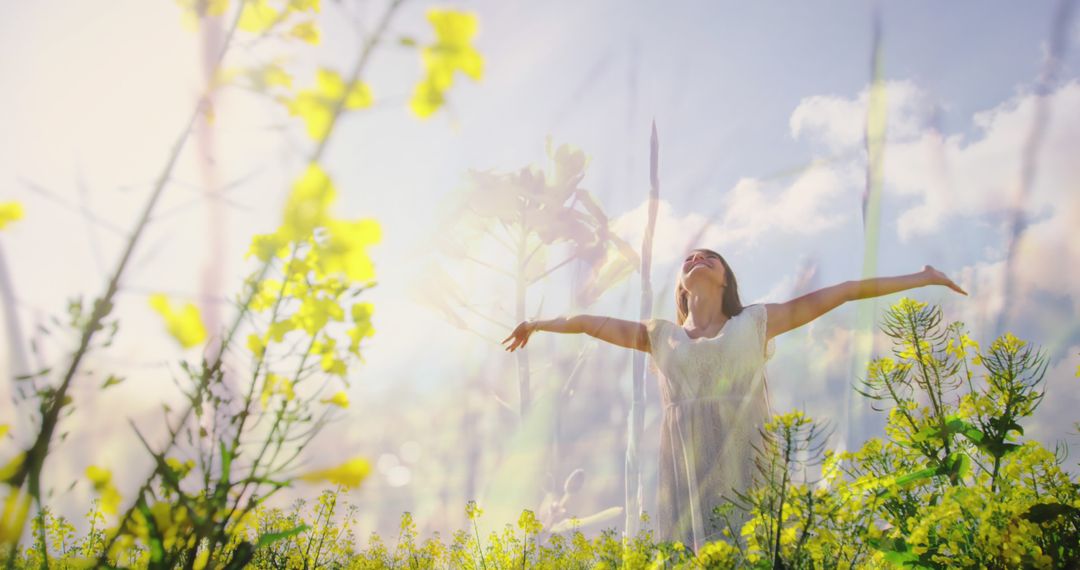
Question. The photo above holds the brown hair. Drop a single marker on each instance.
(730, 304)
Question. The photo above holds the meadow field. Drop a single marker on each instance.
(257, 258)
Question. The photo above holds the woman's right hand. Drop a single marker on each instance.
(936, 277)
(520, 336)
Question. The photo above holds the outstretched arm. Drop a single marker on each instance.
(783, 317)
(627, 334)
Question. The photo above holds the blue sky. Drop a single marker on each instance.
(742, 93)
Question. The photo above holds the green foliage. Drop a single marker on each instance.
(953, 484)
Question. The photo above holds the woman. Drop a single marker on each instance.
(712, 382)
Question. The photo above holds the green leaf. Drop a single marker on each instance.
(953, 426)
(959, 464)
(112, 380)
(973, 434)
(157, 548)
(226, 462)
(272, 537)
(1000, 449)
(901, 558)
(896, 552)
(920, 475)
(30, 376)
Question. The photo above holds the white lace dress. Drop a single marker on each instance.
(715, 400)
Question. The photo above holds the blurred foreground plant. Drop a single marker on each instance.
(238, 438)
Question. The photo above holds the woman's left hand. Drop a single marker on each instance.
(935, 277)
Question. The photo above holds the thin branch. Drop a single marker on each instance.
(89, 216)
(490, 266)
(549, 271)
(476, 312)
(91, 235)
(365, 53)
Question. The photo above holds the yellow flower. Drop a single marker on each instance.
(306, 31)
(258, 16)
(197, 9)
(301, 5)
(277, 329)
(256, 345)
(316, 106)
(101, 478)
(275, 384)
(344, 249)
(10, 212)
(361, 315)
(341, 400)
(185, 325)
(1007, 343)
(9, 469)
(314, 313)
(452, 51)
(718, 554)
(529, 523)
(907, 305)
(268, 246)
(349, 474)
(201, 559)
(13, 517)
(308, 205)
(473, 511)
(180, 468)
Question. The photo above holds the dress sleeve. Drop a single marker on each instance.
(761, 320)
(658, 344)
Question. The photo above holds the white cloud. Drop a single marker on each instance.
(1053, 421)
(840, 122)
(983, 282)
(950, 176)
(947, 177)
(985, 177)
(751, 209)
(1043, 262)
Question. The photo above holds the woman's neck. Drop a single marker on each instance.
(705, 314)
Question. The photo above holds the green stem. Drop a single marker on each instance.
(174, 433)
(479, 552)
(780, 510)
(930, 386)
(318, 518)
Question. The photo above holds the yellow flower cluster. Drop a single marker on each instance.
(321, 260)
(451, 52)
(101, 479)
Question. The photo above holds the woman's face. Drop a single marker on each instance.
(703, 265)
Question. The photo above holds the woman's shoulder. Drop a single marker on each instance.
(659, 328)
(757, 318)
(755, 311)
(656, 323)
